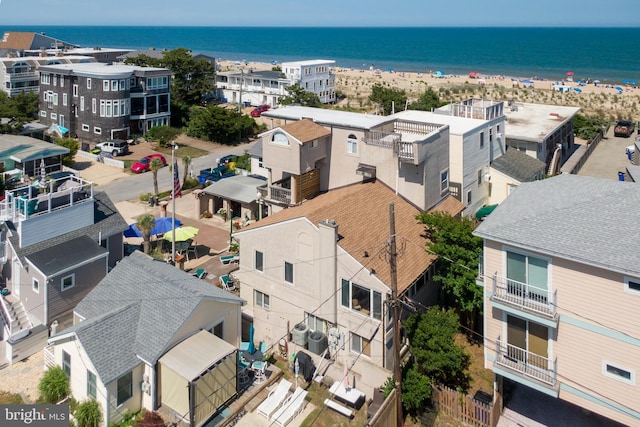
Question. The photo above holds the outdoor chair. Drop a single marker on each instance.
(200, 273)
(192, 249)
(290, 408)
(228, 259)
(274, 399)
(227, 282)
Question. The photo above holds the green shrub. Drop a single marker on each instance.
(163, 134)
(88, 414)
(149, 419)
(191, 183)
(54, 385)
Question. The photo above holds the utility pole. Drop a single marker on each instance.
(395, 305)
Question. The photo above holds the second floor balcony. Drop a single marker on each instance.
(524, 296)
(526, 363)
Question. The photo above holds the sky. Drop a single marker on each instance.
(327, 13)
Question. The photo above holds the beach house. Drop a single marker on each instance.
(542, 131)
(17, 41)
(256, 87)
(58, 239)
(98, 101)
(316, 275)
(561, 278)
(166, 342)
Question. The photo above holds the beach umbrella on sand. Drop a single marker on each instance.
(439, 73)
(569, 73)
(619, 88)
(526, 81)
(472, 75)
(577, 89)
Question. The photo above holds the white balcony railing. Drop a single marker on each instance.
(524, 296)
(526, 363)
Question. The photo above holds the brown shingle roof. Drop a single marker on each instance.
(362, 214)
(449, 205)
(305, 130)
(17, 40)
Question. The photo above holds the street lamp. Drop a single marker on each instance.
(174, 147)
(259, 200)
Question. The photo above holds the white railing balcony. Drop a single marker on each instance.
(8, 320)
(49, 358)
(18, 76)
(280, 194)
(524, 296)
(526, 363)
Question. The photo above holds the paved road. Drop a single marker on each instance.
(129, 187)
(608, 158)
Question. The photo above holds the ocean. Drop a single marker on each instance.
(607, 54)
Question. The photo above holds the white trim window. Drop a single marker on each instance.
(82, 103)
(54, 116)
(97, 131)
(93, 105)
(124, 388)
(632, 285)
(67, 282)
(66, 363)
(105, 85)
(444, 181)
(45, 78)
(64, 99)
(614, 371)
(88, 83)
(91, 385)
(288, 272)
(259, 261)
(85, 128)
(363, 300)
(75, 91)
(43, 113)
(360, 345)
(36, 286)
(352, 144)
(261, 300)
(114, 85)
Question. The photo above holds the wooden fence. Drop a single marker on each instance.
(465, 408)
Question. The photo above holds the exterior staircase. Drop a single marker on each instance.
(15, 315)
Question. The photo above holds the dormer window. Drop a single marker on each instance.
(279, 138)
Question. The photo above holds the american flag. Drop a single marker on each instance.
(176, 181)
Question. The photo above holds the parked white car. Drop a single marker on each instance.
(117, 147)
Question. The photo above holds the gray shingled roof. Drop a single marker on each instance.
(66, 255)
(584, 219)
(256, 150)
(146, 302)
(518, 165)
(107, 221)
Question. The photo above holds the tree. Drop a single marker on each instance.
(186, 163)
(88, 414)
(428, 101)
(155, 165)
(219, 124)
(587, 127)
(145, 224)
(72, 145)
(458, 252)
(434, 350)
(297, 95)
(389, 99)
(163, 134)
(21, 108)
(54, 385)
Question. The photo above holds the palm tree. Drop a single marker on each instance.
(145, 224)
(155, 166)
(186, 162)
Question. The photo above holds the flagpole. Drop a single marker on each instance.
(173, 204)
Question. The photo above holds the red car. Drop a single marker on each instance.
(143, 164)
(259, 110)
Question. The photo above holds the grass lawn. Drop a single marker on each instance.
(184, 150)
(7, 398)
(321, 416)
(481, 378)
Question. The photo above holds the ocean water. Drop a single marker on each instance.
(608, 54)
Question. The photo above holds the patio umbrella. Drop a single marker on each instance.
(163, 225)
(43, 173)
(577, 89)
(569, 73)
(439, 73)
(182, 234)
(252, 346)
(529, 82)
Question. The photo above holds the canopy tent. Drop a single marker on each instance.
(198, 376)
(163, 225)
(484, 211)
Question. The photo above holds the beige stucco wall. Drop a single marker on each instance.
(208, 314)
(500, 186)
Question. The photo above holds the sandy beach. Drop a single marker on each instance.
(594, 99)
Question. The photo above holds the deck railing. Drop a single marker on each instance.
(525, 296)
(529, 364)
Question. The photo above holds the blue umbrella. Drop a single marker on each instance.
(577, 89)
(252, 346)
(527, 81)
(439, 73)
(163, 225)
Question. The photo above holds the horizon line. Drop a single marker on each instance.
(533, 26)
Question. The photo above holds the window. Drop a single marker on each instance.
(288, 272)
(103, 108)
(632, 285)
(55, 99)
(91, 385)
(93, 105)
(64, 99)
(108, 110)
(82, 103)
(444, 180)
(116, 109)
(121, 85)
(105, 85)
(468, 197)
(259, 261)
(527, 276)
(352, 144)
(315, 323)
(97, 131)
(43, 113)
(481, 139)
(66, 363)
(68, 282)
(75, 90)
(54, 116)
(36, 286)
(528, 341)
(61, 81)
(85, 128)
(114, 85)
(261, 299)
(280, 138)
(88, 83)
(125, 388)
(622, 374)
(479, 177)
(360, 345)
(45, 79)
(490, 135)
(358, 298)
(314, 144)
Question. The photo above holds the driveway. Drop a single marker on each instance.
(608, 158)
